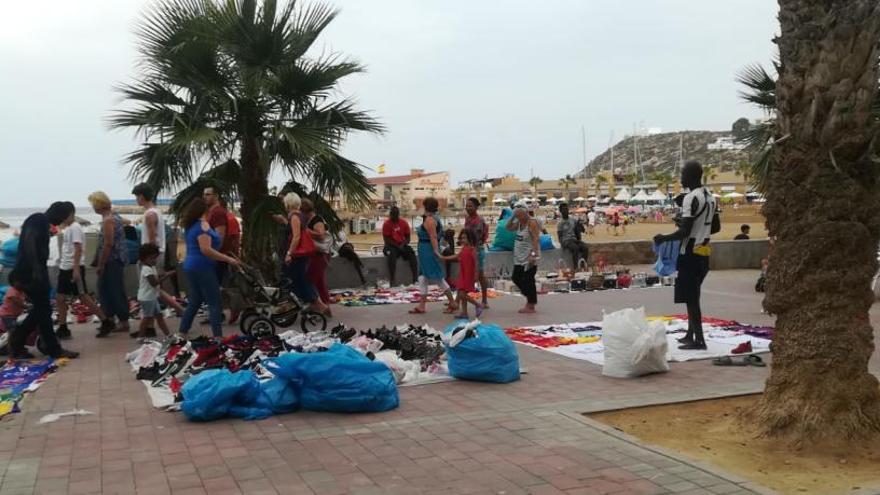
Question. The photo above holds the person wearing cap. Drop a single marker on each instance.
(526, 253)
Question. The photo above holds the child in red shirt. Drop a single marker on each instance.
(13, 306)
(467, 272)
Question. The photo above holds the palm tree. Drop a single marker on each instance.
(664, 180)
(823, 193)
(535, 182)
(600, 181)
(226, 96)
(710, 173)
(566, 183)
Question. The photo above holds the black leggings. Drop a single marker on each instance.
(695, 322)
(524, 278)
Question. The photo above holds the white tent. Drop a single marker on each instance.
(658, 195)
(592, 198)
(641, 196)
(554, 200)
(754, 194)
(733, 195)
(623, 195)
(605, 200)
(499, 200)
(580, 198)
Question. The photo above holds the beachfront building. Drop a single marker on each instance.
(408, 191)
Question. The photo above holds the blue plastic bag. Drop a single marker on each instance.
(9, 252)
(667, 257)
(340, 379)
(504, 238)
(547, 242)
(216, 394)
(489, 357)
(278, 395)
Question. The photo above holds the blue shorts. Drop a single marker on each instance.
(150, 309)
(481, 258)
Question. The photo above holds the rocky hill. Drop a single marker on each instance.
(660, 152)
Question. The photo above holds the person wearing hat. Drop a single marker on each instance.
(526, 253)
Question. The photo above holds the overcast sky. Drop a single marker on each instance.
(472, 87)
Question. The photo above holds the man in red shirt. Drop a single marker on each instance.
(218, 220)
(397, 234)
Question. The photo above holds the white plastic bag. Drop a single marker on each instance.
(633, 346)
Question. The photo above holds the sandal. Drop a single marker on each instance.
(450, 309)
(754, 360)
(727, 361)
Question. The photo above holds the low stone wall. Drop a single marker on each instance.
(726, 255)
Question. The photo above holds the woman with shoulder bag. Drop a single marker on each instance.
(299, 251)
(317, 271)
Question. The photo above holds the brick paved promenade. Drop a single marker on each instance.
(458, 437)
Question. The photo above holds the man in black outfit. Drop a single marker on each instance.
(696, 225)
(33, 274)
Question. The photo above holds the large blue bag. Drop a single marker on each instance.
(504, 238)
(9, 252)
(489, 357)
(547, 242)
(216, 394)
(667, 257)
(340, 379)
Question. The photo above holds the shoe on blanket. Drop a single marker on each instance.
(743, 348)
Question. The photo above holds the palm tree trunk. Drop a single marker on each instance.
(822, 203)
(253, 188)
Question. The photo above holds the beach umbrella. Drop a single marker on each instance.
(579, 198)
(499, 200)
(641, 196)
(591, 198)
(658, 196)
(623, 195)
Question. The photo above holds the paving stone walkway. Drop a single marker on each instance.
(453, 438)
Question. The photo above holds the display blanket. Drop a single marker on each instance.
(584, 340)
(20, 377)
(393, 295)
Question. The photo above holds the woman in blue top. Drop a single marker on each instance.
(430, 267)
(112, 258)
(202, 255)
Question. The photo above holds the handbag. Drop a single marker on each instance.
(306, 245)
(595, 281)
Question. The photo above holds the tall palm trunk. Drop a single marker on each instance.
(253, 187)
(822, 204)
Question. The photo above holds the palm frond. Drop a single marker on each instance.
(160, 166)
(307, 23)
(224, 178)
(760, 87)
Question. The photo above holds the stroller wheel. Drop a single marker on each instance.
(311, 321)
(261, 327)
(246, 320)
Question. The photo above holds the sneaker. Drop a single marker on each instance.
(64, 353)
(63, 333)
(743, 348)
(22, 354)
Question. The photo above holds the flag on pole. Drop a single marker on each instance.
(381, 169)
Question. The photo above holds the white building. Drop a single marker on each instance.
(726, 143)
